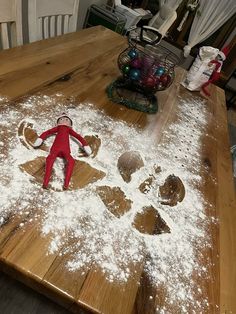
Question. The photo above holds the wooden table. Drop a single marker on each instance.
(89, 57)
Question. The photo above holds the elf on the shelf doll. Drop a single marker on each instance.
(218, 62)
(61, 147)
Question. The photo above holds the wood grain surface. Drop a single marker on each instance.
(81, 65)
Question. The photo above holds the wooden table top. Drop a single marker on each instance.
(89, 58)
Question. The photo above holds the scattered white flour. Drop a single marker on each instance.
(93, 235)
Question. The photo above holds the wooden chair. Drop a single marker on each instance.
(10, 23)
(49, 18)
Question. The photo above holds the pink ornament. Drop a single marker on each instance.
(136, 63)
(147, 63)
(150, 81)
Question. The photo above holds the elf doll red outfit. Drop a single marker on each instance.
(61, 147)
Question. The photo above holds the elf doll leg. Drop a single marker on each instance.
(204, 86)
(214, 77)
(69, 169)
(48, 169)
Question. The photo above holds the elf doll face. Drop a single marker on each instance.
(219, 58)
(64, 121)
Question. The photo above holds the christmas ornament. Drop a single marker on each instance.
(134, 74)
(61, 147)
(125, 69)
(159, 71)
(133, 53)
(147, 63)
(165, 79)
(136, 63)
(150, 81)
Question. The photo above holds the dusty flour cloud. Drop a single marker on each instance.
(94, 237)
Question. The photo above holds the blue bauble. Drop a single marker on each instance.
(134, 74)
(160, 71)
(133, 53)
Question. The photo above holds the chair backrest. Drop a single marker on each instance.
(163, 20)
(10, 23)
(49, 18)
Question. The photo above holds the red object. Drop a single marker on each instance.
(165, 79)
(150, 81)
(61, 148)
(214, 77)
(224, 52)
(136, 63)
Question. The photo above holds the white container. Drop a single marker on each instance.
(201, 69)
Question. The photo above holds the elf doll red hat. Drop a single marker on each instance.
(64, 115)
(224, 52)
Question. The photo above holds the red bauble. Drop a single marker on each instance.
(150, 81)
(165, 79)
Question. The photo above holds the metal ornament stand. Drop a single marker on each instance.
(125, 93)
(146, 68)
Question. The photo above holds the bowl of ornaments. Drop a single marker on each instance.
(148, 68)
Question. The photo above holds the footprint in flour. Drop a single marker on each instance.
(147, 220)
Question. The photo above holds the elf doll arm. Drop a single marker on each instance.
(216, 73)
(214, 76)
(43, 136)
(84, 145)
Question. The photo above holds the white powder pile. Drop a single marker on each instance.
(79, 222)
